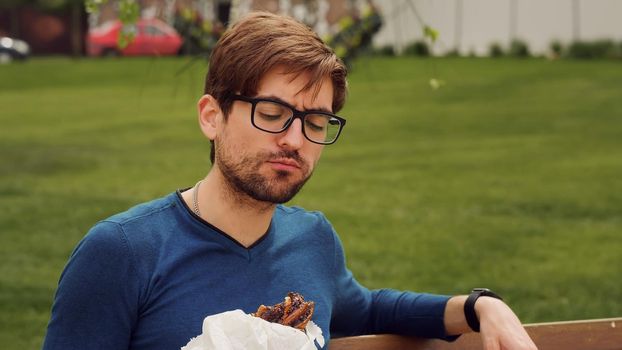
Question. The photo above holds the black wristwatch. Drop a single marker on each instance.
(469, 306)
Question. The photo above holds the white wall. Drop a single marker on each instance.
(538, 22)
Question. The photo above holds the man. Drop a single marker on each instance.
(146, 278)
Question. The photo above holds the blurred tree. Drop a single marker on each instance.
(75, 7)
(13, 6)
(129, 11)
(199, 34)
(355, 34)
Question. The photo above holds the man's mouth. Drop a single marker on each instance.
(284, 164)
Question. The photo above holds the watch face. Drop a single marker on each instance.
(486, 292)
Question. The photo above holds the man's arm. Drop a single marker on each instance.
(357, 310)
(95, 303)
(500, 328)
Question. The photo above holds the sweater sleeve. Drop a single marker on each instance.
(95, 304)
(359, 311)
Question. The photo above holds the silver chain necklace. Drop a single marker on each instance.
(195, 199)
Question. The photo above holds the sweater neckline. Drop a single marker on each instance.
(224, 238)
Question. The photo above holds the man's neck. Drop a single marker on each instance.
(241, 217)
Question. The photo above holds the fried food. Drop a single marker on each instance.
(294, 311)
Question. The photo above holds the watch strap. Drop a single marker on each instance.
(469, 306)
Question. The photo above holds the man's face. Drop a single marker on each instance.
(271, 167)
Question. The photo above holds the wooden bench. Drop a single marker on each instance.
(603, 334)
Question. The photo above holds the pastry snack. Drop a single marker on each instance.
(294, 311)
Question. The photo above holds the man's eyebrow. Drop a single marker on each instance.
(278, 99)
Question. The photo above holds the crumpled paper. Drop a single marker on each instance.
(236, 330)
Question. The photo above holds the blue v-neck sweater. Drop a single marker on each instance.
(146, 279)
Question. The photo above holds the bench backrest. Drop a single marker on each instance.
(604, 334)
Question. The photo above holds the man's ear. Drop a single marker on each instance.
(210, 116)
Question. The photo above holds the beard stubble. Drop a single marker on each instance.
(243, 175)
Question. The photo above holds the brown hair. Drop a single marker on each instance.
(262, 41)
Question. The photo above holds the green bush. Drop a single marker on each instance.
(495, 50)
(418, 48)
(594, 49)
(387, 50)
(556, 48)
(519, 48)
(452, 53)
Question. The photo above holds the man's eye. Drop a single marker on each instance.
(269, 117)
(314, 125)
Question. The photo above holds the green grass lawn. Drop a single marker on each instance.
(509, 176)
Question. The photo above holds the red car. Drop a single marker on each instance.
(153, 37)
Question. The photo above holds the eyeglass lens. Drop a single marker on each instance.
(274, 117)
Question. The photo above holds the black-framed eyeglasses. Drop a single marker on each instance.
(275, 116)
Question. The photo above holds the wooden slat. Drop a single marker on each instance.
(603, 334)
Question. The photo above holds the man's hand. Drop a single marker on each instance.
(500, 328)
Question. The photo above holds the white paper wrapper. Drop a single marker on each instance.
(236, 330)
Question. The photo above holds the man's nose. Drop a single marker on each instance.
(293, 137)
